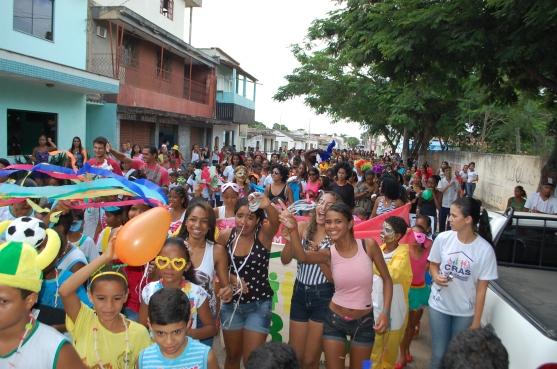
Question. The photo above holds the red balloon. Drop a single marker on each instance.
(140, 239)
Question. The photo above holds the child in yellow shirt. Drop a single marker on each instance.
(102, 336)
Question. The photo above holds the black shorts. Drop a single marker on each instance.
(310, 302)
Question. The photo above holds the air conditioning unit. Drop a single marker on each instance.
(101, 31)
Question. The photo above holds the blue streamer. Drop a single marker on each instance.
(256, 188)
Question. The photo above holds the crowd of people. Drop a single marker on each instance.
(85, 308)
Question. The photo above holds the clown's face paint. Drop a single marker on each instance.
(388, 233)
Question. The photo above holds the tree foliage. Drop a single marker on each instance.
(352, 142)
(280, 127)
(450, 69)
(257, 125)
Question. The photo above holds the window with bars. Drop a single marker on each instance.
(167, 8)
(129, 52)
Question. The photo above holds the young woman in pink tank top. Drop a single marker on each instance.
(350, 312)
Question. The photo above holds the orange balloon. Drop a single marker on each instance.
(140, 240)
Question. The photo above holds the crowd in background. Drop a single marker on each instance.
(211, 274)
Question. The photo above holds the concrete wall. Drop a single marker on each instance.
(102, 121)
(69, 33)
(70, 108)
(498, 173)
(150, 10)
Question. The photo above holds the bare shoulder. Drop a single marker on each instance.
(218, 249)
(371, 246)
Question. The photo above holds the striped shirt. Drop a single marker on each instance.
(311, 274)
(194, 356)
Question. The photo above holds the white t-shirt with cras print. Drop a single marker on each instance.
(466, 263)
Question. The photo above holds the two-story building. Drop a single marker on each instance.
(43, 81)
(235, 101)
(167, 87)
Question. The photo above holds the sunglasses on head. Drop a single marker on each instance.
(178, 264)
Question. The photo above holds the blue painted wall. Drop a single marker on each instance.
(69, 42)
(101, 121)
(20, 95)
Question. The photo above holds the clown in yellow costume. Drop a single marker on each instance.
(397, 258)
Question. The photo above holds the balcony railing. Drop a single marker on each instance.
(195, 91)
(162, 80)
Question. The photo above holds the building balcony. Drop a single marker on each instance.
(234, 98)
(156, 87)
(234, 113)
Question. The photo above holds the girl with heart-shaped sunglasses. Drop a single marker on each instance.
(174, 268)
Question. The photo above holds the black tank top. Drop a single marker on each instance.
(253, 268)
(428, 207)
(281, 195)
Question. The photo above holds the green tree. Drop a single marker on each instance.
(280, 127)
(352, 142)
(257, 125)
(403, 68)
(335, 80)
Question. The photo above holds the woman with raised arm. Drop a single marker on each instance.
(102, 336)
(246, 320)
(313, 289)
(351, 261)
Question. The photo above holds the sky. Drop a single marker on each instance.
(258, 34)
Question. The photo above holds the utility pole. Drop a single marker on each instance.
(191, 20)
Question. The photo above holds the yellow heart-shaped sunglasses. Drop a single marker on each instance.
(178, 264)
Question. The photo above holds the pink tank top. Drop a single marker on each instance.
(418, 268)
(313, 186)
(353, 279)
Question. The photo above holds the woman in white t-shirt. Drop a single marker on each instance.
(228, 172)
(471, 180)
(462, 262)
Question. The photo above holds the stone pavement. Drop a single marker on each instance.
(420, 348)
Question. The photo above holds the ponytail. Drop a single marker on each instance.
(484, 228)
(471, 207)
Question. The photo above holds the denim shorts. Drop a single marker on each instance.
(310, 302)
(360, 330)
(253, 316)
